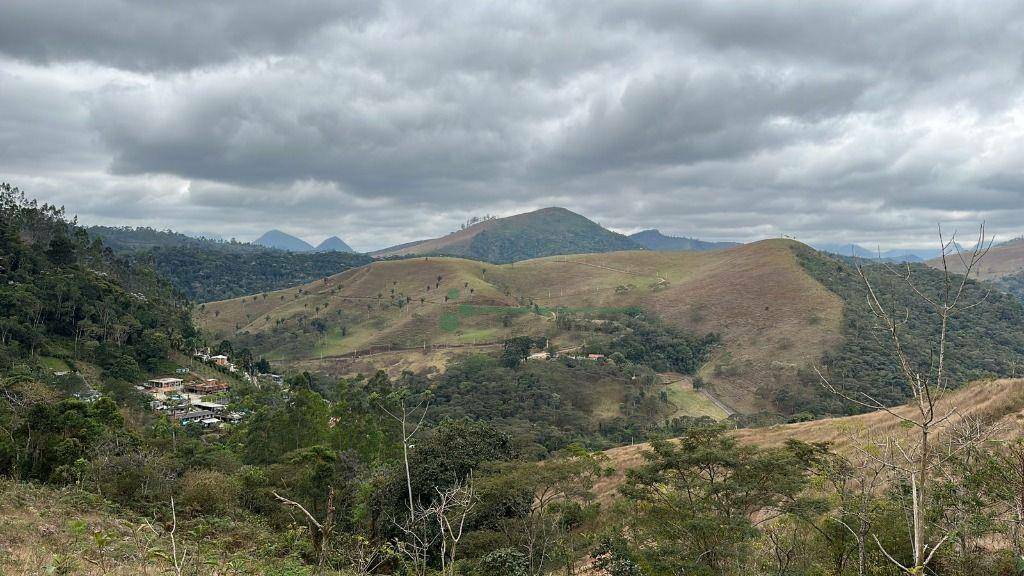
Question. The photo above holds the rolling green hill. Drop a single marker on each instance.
(779, 306)
(771, 315)
(545, 232)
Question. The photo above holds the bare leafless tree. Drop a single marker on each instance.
(405, 416)
(320, 531)
(419, 537)
(912, 458)
(450, 511)
(179, 562)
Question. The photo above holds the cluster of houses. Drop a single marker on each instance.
(549, 356)
(217, 360)
(182, 400)
(224, 362)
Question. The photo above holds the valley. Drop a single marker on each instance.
(604, 379)
(773, 317)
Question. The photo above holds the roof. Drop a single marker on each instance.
(194, 415)
(166, 381)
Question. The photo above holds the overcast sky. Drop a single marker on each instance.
(387, 122)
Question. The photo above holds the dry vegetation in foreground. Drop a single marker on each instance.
(999, 403)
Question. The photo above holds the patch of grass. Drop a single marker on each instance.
(54, 364)
(453, 294)
(470, 310)
(689, 402)
(449, 322)
(599, 310)
(480, 335)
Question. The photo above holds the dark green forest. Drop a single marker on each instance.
(984, 342)
(64, 295)
(545, 232)
(1013, 284)
(205, 270)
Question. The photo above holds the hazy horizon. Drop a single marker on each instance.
(384, 123)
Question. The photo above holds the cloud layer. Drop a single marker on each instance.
(383, 123)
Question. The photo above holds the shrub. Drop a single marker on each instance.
(504, 562)
(208, 492)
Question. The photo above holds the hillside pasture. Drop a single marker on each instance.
(772, 316)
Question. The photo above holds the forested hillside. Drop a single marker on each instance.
(986, 341)
(655, 240)
(204, 274)
(544, 232)
(65, 296)
(206, 270)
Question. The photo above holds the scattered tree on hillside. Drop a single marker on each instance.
(913, 460)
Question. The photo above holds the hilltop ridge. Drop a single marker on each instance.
(654, 240)
(544, 232)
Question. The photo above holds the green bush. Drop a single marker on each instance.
(208, 492)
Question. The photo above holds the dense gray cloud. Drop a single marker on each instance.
(387, 122)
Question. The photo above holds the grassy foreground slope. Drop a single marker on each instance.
(772, 316)
(49, 530)
(998, 404)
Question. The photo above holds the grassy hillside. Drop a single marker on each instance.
(205, 269)
(773, 317)
(998, 403)
(778, 306)
(1003, 266)
(541, 233)
(49, 530)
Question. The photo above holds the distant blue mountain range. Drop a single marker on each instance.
(284, 241)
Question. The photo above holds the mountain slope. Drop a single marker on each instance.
(63, 296)
(283, 241)
(204, 274)
(544, 232)
(1003, 266)
(205, 269)
(123, 239)
(997, 403)
(772, 316)
(334, 244)
(655, 240)
(780, 308)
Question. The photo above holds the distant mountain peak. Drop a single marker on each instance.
(653, 239)
(544, 232)
(283, 241)
(334, 244)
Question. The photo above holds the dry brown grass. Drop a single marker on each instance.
(442, 244)
(1000, 261)
(773, 317)
(997, 403)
